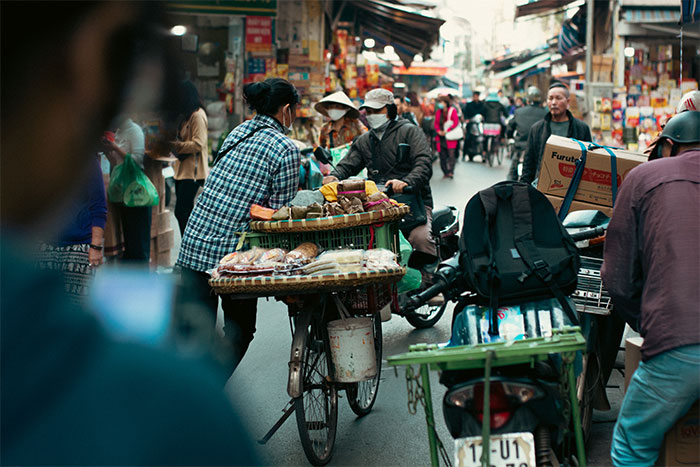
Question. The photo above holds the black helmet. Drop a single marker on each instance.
(683, 128)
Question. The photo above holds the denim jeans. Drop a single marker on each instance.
(661, 391)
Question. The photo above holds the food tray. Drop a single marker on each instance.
(275, 285)
(330, 223)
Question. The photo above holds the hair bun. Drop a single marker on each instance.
(257, 94)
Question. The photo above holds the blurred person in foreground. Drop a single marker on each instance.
(652, 272)
(558, 121)
(519, 127)
(78, 250)
(69, 394)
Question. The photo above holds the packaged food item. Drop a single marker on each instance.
(322, 266)
(299, 212)
(378, 202)
(351, 206)
(307, 198)
(332, 209)
(275, 255)
(314, 210)
(380, 258)
(344, 256)
(303, 254)
(282, 214)
(261, 213)
(352, 189)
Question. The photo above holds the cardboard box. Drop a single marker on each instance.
(160, 222)
(633, 355)
(558, 165)
(682, 442)
(165, 241)
(579, 206)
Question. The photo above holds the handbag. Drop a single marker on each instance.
(454, 134)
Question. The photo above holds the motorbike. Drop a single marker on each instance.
(492, 143)
(474, 143)
(526, 405)
(603, 331)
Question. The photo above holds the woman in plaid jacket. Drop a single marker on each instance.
(260, 165)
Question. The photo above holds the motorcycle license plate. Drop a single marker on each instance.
(509, 450)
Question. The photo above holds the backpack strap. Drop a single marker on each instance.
(489, 199)
(575, 180)
(233, 145)
(524, 242)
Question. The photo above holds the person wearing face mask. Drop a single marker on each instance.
(447, 149)
(259, 164)
(377, 150)
(344, 124)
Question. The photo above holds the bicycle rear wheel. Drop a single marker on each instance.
(361, 396)
(501, 151)
(317, 408)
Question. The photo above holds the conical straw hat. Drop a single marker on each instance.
(337, 98)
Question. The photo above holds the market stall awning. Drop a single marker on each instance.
(516, 70)
(652, 15)
(224, 7)
(408, 31)
(420, 70)
(652, 18)
(540, 7)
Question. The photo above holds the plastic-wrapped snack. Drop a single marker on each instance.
(380, 258)
(321, 266)
(352, 189)
(229, 258)
(344, 256)
(303, 254)
(275, 255)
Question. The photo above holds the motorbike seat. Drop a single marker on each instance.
(443, 216)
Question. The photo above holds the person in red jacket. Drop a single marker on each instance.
(446, 119)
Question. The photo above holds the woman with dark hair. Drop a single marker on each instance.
(259, 164)
(446, 119)
(191, 149)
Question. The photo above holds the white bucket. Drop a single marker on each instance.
(352, 349)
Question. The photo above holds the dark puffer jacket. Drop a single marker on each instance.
(537, 139)
(417, 171)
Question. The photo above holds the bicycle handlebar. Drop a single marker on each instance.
(588, 234)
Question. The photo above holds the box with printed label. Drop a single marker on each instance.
(579, 206)
(559, 162)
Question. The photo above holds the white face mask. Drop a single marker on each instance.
(337, 114)
(288, 129)
(377, 120)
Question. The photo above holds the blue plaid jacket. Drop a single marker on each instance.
(263, 169)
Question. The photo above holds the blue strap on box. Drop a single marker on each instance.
(613, 167)
(575, 180)
(578, 174)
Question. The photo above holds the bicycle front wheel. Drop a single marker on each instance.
(317, 408)
(361, 396)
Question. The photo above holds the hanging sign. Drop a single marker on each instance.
(258, 34)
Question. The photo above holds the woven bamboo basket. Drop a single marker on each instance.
(276, 285)
(330, 223)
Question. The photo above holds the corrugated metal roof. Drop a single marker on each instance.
(651, 15)
(523, 66)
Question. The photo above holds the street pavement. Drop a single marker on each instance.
(389, 435)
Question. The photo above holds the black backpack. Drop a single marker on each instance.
(514, 249)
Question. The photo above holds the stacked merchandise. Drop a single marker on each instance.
(648, 99)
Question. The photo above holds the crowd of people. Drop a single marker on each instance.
(64, 379)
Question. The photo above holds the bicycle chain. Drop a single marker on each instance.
(416, 394)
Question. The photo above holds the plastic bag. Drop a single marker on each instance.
(129, 185)
(412, 280)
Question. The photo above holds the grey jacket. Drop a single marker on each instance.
(522, 121)
(537, 139)
(417, 171)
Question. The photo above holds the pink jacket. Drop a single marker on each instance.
(451, 117)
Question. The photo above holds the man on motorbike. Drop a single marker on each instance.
(470, 110)
(519, 126)
(558, 121)
(651, 271)
(377, 150)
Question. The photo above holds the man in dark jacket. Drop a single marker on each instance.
(377, 150)
(558, 121)
(519, 126)
(652, 271)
